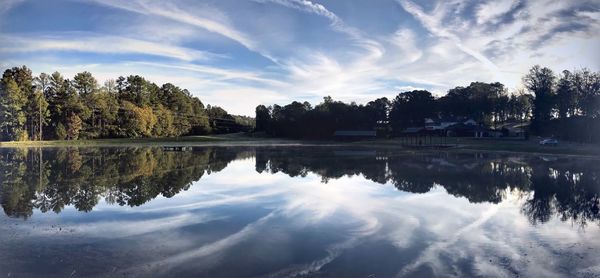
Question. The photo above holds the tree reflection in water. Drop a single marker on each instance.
(50, 179)
(566, 187)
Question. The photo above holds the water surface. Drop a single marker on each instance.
(296, 211)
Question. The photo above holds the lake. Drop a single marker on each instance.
(305, 211)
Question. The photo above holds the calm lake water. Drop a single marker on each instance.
(296, 211)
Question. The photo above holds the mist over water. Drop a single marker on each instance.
(296, 211)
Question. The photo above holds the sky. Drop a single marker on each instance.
(241, 53)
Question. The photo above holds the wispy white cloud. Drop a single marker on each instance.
(220, 74)
(6, 5)
(280, 50)
(306, 5)
(505, 36)
(373, 48)
(491, 10)
(433, 25)
(405, 42)
(210, 19)
(99, 44)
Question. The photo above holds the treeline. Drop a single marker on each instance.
(50, 106)
(567, 106)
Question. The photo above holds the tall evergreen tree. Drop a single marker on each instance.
(24, 80)
(85, 84)
(587, 85)
(540, 81)
(566, 95)
(263, 118)
(39, 113)
(13, 103)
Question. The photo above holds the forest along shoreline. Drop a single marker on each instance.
(246, 139)
(50, 110)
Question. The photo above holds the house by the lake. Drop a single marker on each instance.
(458, 127)
(446, 122)
(469, 130)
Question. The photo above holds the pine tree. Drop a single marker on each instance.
(39, 114)
(12, 110)
(74, 124)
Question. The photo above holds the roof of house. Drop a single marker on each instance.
(462, 126)
(447, 119)
(514, 129)
(365, 133)
(412, 129)
(355, 153)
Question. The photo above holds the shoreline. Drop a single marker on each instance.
(452, 144)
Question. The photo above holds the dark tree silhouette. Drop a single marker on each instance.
(541, 82)
(411, 109)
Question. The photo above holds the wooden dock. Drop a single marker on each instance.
(176, 148)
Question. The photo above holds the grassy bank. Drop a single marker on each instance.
(114, 142)
(238, 139)
(530, 146)
(520, 146)
(204, 140)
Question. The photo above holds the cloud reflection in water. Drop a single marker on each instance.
(299, 211)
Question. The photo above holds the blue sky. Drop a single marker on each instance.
(241, 53)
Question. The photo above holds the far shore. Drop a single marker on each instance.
(239, 139)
